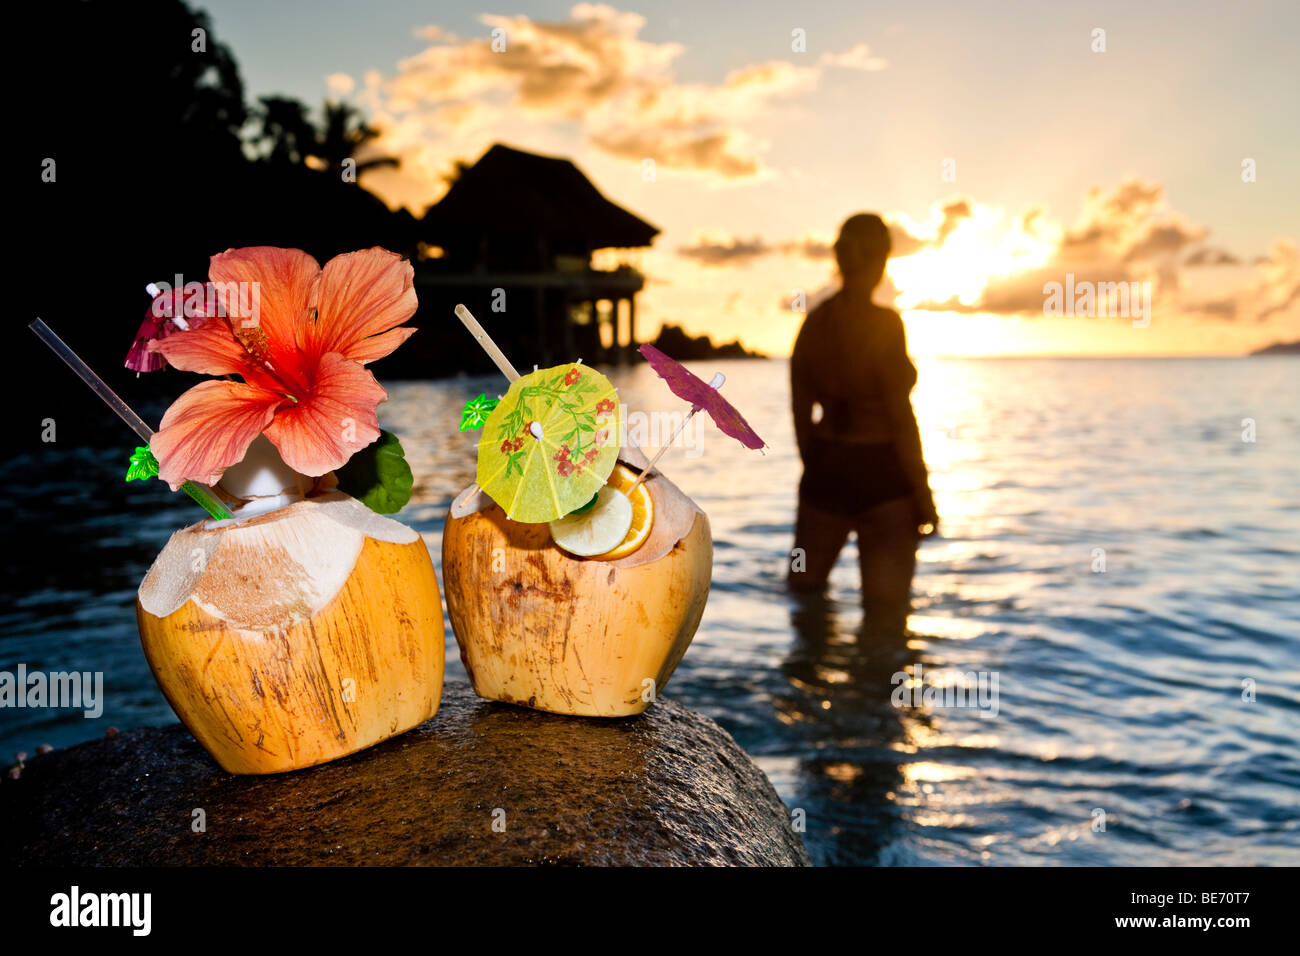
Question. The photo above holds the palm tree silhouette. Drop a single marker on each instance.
(342, 135)
(285, 134)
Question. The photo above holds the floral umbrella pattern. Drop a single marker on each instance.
(301, 355)
(550, 443)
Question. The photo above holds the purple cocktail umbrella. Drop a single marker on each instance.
(702, 395)
(685, 384)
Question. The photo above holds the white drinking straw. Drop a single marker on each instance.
(201, 493)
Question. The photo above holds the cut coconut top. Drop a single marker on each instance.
(675, 513)
(271, 571)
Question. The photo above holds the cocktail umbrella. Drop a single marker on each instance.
(703, 396)
(550, 443)
(168, 312)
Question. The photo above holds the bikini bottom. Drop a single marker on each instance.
(847, 478)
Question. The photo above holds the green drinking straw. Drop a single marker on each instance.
(202, 494)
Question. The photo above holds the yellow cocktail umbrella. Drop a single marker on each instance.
(550, 443)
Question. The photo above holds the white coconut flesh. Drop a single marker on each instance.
(262, 481)
(269, 572)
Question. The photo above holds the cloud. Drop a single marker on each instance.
(858, 58)
(733, 251)
(809, 247)
(1125, 234)
(1021, 293)
(1164, 240)
(592, 71)
(1274, 291)
(953, 213)
(725, 251)
(1210, 256)
(1217, 309)
(721, 152)
(906, 239)
(975, 259)
(341, 84)
(902, 241)
(1278, 288)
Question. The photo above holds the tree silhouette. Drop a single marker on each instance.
(286, 135)
(138, 160)
(342, 135)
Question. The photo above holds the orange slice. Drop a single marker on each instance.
(643, 513)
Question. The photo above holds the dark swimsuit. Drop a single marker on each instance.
(854, 365)
(847, 478)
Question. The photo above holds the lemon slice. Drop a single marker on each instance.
(643, 513)
(599, 528)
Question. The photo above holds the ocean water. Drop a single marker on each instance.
(1111, 551)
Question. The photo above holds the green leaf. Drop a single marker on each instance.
(143, 465)
(476, 412)
(378, 475)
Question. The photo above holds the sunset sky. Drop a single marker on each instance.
(1002, 149)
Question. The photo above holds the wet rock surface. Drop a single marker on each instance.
(479, 784)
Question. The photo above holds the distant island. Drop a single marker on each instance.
(673, 340)
(1279, 348)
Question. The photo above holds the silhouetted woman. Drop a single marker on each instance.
(863, 467)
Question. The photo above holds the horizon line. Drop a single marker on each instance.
(1083, 355)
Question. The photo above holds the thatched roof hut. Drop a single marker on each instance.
(522, 227)
(512, 205)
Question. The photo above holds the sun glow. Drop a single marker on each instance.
(979, 248)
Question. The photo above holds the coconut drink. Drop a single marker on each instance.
(575, 573)
(304, 628)
(589, 636)
(298, 623)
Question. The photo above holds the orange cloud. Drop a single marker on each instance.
(1125, 234)
(906, 239)
(593, 70)
(858, 58)
(340, 84)
(734, 251)
(1275, 290)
